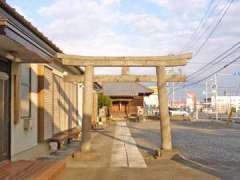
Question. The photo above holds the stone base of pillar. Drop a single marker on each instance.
(166, 154)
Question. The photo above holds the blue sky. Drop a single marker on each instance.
(132, 27)
(140, 27)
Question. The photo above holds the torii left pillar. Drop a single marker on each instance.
(163, 109)
(87, 108)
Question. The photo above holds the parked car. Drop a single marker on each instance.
(179, 114)
(177, 111)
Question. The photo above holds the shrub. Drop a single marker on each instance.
(104, 101)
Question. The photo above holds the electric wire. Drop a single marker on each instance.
(197, 35)
(220, 58)
(214, 29)
(210, 75)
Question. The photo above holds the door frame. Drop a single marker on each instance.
(5, 67)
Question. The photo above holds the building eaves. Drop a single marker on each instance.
(22, 20)
(11, 11)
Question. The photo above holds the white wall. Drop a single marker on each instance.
(21, 139)
(225, 102)
(152, 100)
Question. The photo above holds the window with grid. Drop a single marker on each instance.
(25, 91)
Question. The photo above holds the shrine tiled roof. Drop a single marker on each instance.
(125, 89)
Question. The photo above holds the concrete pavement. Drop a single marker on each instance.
(100, 166)
(124, 151)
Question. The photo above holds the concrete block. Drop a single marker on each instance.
(53, 146)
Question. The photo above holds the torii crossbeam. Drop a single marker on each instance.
(125, 78)
(160, 62)
(138, 61)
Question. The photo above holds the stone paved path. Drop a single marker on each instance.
(125, 152)
(133, 167)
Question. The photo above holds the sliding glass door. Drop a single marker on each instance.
(4, 111)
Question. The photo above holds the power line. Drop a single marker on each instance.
(201, 34)
(203, 69)
(210, 75)
(218, 59)
(202, 63)
(220, 18)
(201, 23)
(225, 66)
(214, 29)
(198, 38)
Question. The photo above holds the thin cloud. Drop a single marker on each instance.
(101, 27)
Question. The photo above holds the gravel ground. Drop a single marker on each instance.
(209, 146)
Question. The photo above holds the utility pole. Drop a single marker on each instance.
(173, 94)
(230, 106)
(216, 94)
(206, 94)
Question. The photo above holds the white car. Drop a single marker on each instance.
(176, 111)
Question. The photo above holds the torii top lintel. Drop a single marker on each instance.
(134, 61)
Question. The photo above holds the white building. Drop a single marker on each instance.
(190, 104)
(152, 100)
(223, 103)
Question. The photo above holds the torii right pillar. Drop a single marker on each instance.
(87, 109)
(166, 139)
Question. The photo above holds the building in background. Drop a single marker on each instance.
(126, 97)
(224, 103)
(153, 98)
(151, 102)
(187, 102)
(191, 101)
(181, 104)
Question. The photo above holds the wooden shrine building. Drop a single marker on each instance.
(126, 97)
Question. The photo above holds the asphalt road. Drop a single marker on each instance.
(206, 145)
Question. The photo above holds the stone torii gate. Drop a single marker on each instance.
(160, 62)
